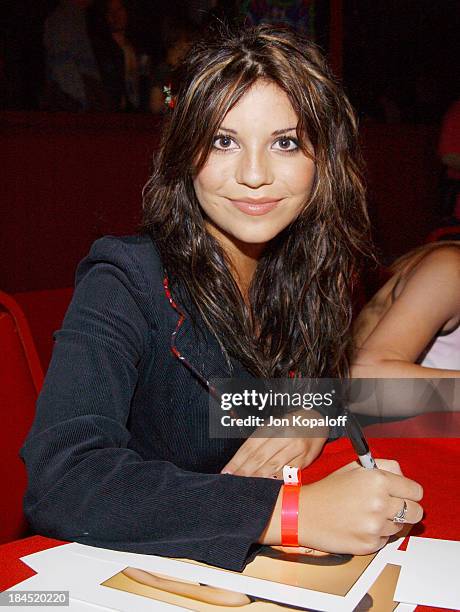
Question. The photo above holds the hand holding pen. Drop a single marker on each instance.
(354, 510)
(359, 443)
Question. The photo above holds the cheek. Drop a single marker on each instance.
(300, 177)
(209, 179)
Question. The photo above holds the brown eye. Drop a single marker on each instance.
(223, 142)
(287, 144)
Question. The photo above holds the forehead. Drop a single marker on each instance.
(265, 106)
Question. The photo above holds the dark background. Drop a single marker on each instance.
(405, 50)
(69, 178)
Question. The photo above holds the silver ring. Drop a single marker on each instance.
(400, 517)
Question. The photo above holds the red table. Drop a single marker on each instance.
(434, 462)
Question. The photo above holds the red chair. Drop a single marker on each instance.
(45, 310)
(21, 378)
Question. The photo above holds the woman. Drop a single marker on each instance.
(253, 218)
(411, 329)
(115, 54)
(178, 40)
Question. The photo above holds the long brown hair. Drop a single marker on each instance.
(300, 296)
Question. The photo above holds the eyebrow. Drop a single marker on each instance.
(275, 133)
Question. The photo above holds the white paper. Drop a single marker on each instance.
(59, 569)
(82, 569)
(430, 573)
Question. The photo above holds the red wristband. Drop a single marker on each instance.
(290, 506)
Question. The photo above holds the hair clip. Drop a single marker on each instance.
(169, 100)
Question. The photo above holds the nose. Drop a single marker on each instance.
(254, 169)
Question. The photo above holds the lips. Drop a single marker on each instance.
(256, 207)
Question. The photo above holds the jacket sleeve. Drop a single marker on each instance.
(85, 483)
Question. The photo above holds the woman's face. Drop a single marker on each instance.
(256, 179)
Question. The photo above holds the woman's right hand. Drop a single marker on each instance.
(351, 510)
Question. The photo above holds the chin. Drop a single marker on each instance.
(251, 235)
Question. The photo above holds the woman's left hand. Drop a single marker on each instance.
(266, 457)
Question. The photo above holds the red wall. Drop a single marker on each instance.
(69, 179)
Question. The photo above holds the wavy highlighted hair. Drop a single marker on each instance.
(299, 312)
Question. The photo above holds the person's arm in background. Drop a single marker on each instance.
(428, 302)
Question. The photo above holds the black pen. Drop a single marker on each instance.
(356, 435)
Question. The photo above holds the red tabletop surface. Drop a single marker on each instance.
(434, 462)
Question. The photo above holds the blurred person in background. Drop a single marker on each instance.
(178, 39)
(115, 53)
(410, 329)
(72, 74)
